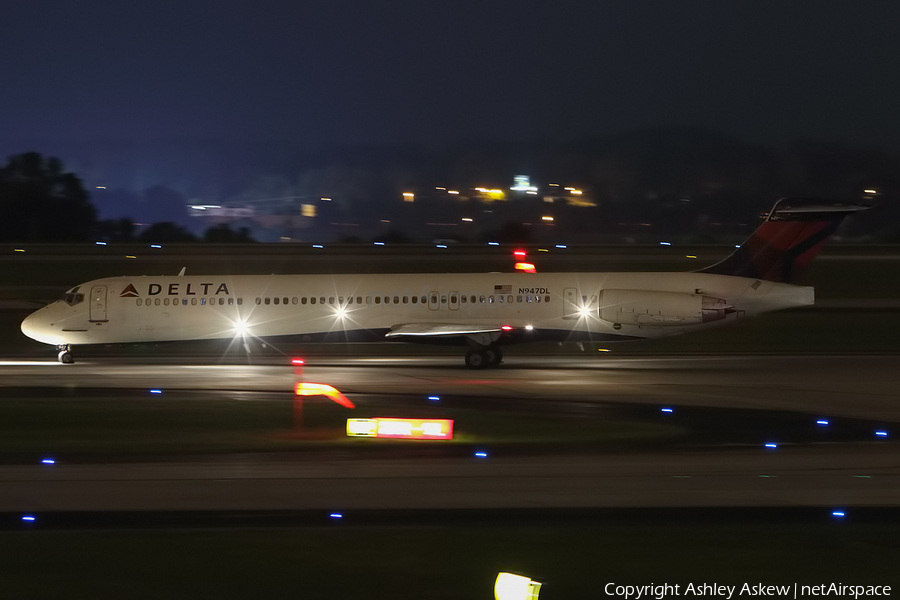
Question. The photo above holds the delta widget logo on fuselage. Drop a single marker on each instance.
(176, 289)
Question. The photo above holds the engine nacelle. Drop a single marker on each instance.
(637, 307)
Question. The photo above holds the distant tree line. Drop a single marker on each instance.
(41, 202)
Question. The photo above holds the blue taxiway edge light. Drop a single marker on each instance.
(822, 422)
(434, 398)
(666, 409)
(28, 518)
(839, 514)
(155, 391)
(336, 515)
(481, 454)
(881, 433)
(48, 461)
(771, 445)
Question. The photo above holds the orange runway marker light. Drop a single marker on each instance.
(322, 389)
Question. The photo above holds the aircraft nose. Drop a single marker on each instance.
(28, 326)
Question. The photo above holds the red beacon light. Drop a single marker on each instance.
(507, 328)
(520, 253)
(298, 362)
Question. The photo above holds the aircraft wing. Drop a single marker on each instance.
(440, 329)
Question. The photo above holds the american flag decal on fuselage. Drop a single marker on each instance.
(502, 289)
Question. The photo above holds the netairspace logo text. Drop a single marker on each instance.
(727, 592)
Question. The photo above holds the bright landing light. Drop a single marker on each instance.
(241, 328)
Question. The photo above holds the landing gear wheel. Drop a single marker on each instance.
(497, 357)
(477, 359)
(65, 357)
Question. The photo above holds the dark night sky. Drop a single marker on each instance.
(434, 72)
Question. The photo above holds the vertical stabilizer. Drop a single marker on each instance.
(790, 237)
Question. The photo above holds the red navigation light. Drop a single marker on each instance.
(520, 253)
(298, 362)
(506, 328)
(526, 267)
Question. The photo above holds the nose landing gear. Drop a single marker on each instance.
(65, 354)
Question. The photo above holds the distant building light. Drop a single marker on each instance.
(453, 192)
(130, 256)
(308, 210)
(532, 192)
(325, 199)
(576, 192)
(409, 197)
(554, 185)
(870, 191)
(689, 256)
(529, 328)
(101, 187)
(547, 218)
(410, 429)
(385, 221)
(440, 188)
(516, 587)
(20, 249)
(467, 219)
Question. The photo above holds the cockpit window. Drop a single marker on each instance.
(72, 297)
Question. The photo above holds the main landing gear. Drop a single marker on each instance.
(65, 354)
(484, 358)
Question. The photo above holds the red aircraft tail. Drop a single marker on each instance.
(786, 242)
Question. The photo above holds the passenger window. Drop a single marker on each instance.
(202, 301)
(267, 300)
(312, 300)
(303, 300)
(331, 300)
(221, 301)
(546, 298)
(275, 300)
(194, 301)
(240, 301)
(396, 299)
(415, 299)
(481, 299)
(509, 299)
(377, 299)
(519, 299)
(321, 299)
(453, 299)
(340, 300)
(165, 301)
(500, 299)
(139, 302)
(156, 302)
(359, 299)
(491, 299)
(423, 300)
(405, 299)
(230, 301)
(284, 300)
(184, 301)
(443, 299)
(258, 301)
(294, 300)
(368, 299)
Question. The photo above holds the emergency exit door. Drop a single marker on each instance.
(98, 303)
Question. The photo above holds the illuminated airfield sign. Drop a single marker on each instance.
(406, 429)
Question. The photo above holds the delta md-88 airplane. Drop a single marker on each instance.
(479, 311)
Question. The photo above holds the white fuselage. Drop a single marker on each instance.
(601, 306)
